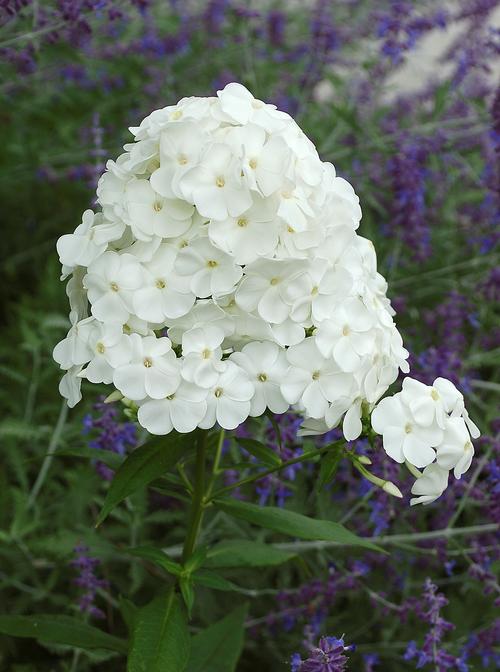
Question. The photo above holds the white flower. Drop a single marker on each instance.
(152, 370)
(453, 402)
(348, 335)
(315, 293)
(70, 386)
(424, 402)
(73, 349)
(266, 365)
(404, 438)
(312, 379)
(228, 401)
(264, 288)
(180, 148)
(163, 294)
(264, 160)
(215, 185)
(111, 281)
(456, 450)
(221, 224)
(153, 215)
(202, 355)
(182, 410)
(294, 207)
(89, 240)
(251, 235)
(430, 485)
(238, 105)
(211, 271)
(109, 347)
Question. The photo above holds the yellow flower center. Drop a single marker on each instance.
(114, 286)
(148, 362)
(274, 281)
(315, 375)
(242, 222)
(262, 377)
(253, 164)
(408, 428)
(206, 353)
(157, 206)
(434, 394)
(345, 330)
(160, 284)
(100, 347)
(220, 181)
(211, 263)
(218, 392)
(182, 159)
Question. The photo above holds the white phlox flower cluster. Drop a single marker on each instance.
(223, 276)
(427, 426)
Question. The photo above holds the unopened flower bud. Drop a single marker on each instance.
(392, 489)
(114, 396)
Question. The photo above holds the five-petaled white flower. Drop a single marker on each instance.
(211, 271)
(431, 485)
(266, 365)
(404, 438)
(111, 282)
(202, 355)
(152, 371)
(313, 380)
(228, 400)
(164, 294)
(181, 410)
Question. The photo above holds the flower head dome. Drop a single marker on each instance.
(223, 275)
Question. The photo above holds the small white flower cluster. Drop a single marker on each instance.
(427, 426)
(224, 276)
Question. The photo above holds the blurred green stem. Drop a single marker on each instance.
(196, 512)
(54, 441)
(308, 455)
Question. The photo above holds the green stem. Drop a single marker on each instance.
(309, 455)
(197, 502)
(49, 456)
(215, 467)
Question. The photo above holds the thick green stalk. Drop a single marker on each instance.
(197, 502)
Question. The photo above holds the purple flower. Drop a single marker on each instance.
(109, 434)
(328, 656)
(88, 581)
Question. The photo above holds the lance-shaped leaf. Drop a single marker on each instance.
(218, 648)
(49, 629)
(244, 553)
(160, 639)
(146, 463)
(292, 524)
(262, 452)
(157, 557)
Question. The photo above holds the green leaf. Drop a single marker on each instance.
(49, 629)
(244, 553)
(160, 641)
(187, 591)
(328, 467)
(263, 453)
(292, 524)
(158, 557)
(218, 648)
(196, 560)
(128, 611)
(213, 580)
(146, 463)
(109, 458)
